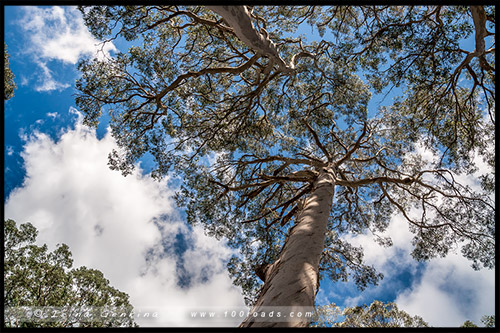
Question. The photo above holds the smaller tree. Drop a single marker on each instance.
(377, 314)
(469, 324)
(8, 78)
(488, 321)
(41, 289)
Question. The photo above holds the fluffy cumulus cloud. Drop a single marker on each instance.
(58, 34)
(126, 227)
(450, 292)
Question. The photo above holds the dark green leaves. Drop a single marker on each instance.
(34, 277)
(377, 314)
(8, 77)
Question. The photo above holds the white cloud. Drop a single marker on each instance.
(46, 79)
(58, 33)
(52, 115)
(9, 150)
(24, 81)
(445, 292)
(450, 292)
(113, 223)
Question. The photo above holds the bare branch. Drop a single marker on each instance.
(354, 147)
(299, 176)
(317, 140)
(373, 180)
(244, 186)
(231, 70)
(311, 162)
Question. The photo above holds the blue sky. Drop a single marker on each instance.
(56, 177)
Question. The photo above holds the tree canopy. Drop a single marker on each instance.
(487, 321)
(377, 314)
(251, 104)
(186, 57)
(38, 280)
(8, 77)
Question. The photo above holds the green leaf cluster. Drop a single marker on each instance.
(8, 77)
(377, 314)
(37, 278)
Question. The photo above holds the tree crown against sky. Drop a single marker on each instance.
(272, 108)
(8, 77)
(377, 314)
(35, 277)
(187, 57)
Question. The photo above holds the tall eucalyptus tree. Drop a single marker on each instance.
(272, 132)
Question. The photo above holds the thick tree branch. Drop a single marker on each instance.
(239, 19)
(298, 176)
(244, 186)
(373, 180)
(289, 160)
(231, 70)
(479, 18)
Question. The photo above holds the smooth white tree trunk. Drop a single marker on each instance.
(291, 282)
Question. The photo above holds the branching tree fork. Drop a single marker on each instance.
(272, 133)
(290, 275)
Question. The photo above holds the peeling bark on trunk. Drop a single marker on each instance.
(239, 19)
(291, 282)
